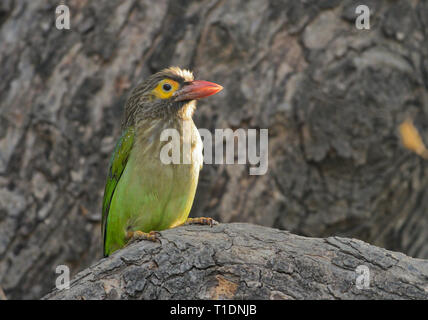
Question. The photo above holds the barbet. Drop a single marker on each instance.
(144, 193)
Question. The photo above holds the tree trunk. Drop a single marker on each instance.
(332, 97)
(244, 261)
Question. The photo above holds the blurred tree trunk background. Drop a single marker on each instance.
(332, 97)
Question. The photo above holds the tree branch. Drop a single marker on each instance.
(244, 261)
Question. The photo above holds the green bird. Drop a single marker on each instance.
(144, 193)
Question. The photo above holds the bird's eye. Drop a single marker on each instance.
(166, 87)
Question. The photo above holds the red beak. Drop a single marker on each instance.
(196, 90)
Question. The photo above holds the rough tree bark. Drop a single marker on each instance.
(331, 96)
(244, 261)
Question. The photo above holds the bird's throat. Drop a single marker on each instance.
(186, 110)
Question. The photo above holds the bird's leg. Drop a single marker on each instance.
(132, 236)
(200, 220)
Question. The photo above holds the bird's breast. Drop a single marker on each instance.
(170, 142)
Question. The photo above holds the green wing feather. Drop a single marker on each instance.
(117, 164)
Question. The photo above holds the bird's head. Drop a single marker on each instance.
(170, 92)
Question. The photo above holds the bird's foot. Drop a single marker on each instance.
(201, 220)
(133, 236)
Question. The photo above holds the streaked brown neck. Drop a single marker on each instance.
(157, 110)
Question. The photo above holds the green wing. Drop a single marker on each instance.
(117, 164)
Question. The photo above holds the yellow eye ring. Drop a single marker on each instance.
(165, 89)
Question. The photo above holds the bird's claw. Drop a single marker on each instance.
(202, 220)
(138, 235)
